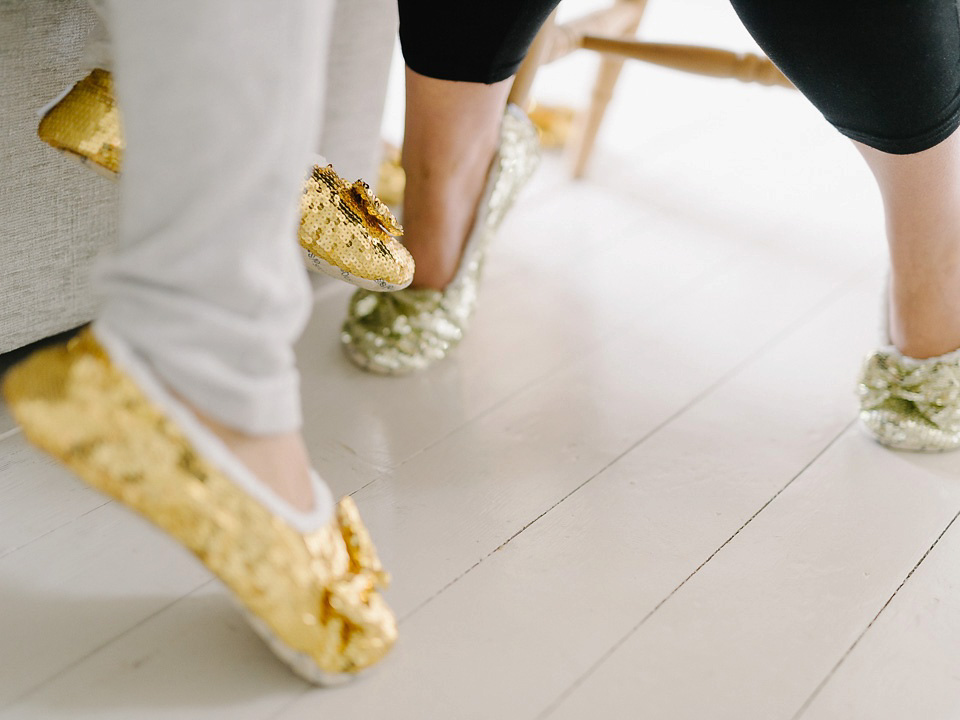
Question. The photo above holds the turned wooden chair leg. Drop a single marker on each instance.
(585, 135)
(523, 81)
(588, 125)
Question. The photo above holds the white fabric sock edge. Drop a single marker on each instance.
(887, 346)
(210, 446)
(950, 357)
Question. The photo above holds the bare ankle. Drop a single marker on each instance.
(439, 214)
(920, 347)
(279, 461)
(924, 327)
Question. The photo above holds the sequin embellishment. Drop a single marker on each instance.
(313, 596)
(346, 230)
(86, 124)
(911, 404)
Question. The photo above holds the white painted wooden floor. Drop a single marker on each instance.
(637, 490)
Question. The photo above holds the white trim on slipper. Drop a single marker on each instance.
(951, 357)
(210, 446)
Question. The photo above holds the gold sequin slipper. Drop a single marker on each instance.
(84, 123)
(348, 232)
(345, 230)
(308, 581)
(911, 404)
(398, 333)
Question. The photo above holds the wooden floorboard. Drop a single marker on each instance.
(549, 604)
(37, 495)
(766, 620)
(636, 489)
(904, 665)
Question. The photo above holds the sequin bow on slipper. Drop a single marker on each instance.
(911, 404)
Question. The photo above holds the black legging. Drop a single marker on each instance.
(884, 72)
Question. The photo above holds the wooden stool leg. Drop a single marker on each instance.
(589, 124)
(523, 81)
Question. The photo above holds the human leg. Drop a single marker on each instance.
(86, 124)
(460, 59)
(451, 135)
(182, 402)
(207, 283)
(356, 85)
(911, 391)
(460, 63)
(887, 75)
(921, 197)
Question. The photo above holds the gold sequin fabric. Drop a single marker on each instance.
(554, 122)
(86, 124)
(911, 404)
(401, 332)
(348, 231)
(345, 230)
(316, 594)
